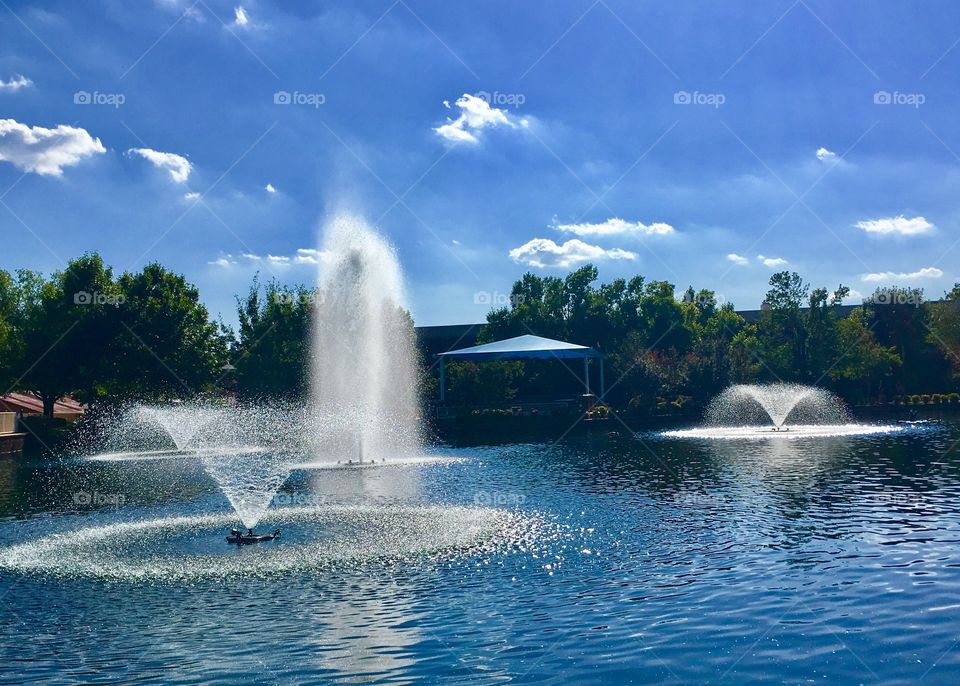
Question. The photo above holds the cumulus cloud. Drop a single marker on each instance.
(269, 188)
(191, 196)
(772, 262)
(924, 273)
(178, 165)
(823, 154)
(15, 84)
(310, 256)
(898, 225)
(45, 151)
(617, 227)
(542, 252)
(738, 259)
(240, 17)
(475, 115)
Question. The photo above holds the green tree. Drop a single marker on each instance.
(165, 345)
(272, 353)
(68, 325)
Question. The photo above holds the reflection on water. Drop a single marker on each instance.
(835, 560)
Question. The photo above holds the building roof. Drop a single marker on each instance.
(31, 404)
(523, 348)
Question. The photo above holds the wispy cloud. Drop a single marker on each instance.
(45, 151)
(824, 155)
(738, 259)
(772, 262)
(303, 256)
(898, 225)
(543, 252)
(15, 84)
(178, 165)
(924, 273)
(618, 227)
(475, 115)
(240, 17)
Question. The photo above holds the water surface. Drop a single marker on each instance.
(611, 559)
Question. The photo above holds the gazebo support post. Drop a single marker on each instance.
(586, 374)
(603, 385)
(443, 392)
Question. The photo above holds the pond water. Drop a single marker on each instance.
(599, 559)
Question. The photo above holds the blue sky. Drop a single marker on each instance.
(708, 144)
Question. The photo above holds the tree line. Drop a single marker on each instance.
(146, 336)
(664, 349)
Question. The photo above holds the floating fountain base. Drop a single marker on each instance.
(237, 537)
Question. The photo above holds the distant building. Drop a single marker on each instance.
(65, 408)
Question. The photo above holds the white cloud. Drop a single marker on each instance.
(192, 195)
(853, 296)
(269, 188)
(772, 262)
(45, 151)
(475, 115)
(617, 227)
(896, 225)
(178, 166)
(542, 252)
(823, 155)
(310, 256)
(15, 84)
(924, 273)
(240, 17)
(738, 259)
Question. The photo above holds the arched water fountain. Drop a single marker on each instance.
(363, 412)
(780, 410)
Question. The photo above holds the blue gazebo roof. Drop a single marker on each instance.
(523, 348)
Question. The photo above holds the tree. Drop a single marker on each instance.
(68, 325)
(864, 365)
(166, 345)
(781, 331)
(272, 354)
(944, 325)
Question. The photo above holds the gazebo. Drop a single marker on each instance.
(525, 348)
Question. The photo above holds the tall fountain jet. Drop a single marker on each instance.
(364, 383)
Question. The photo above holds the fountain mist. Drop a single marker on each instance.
(752, 405)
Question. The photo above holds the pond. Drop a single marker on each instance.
(595, 559)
